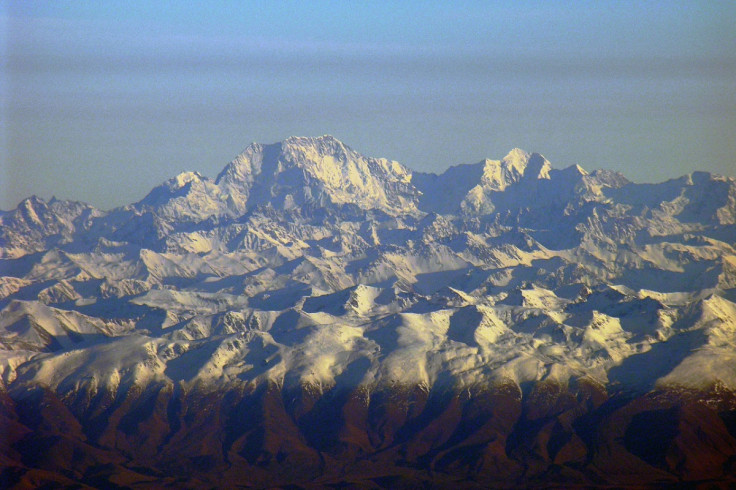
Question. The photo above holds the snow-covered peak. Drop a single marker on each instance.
(184, 178)
(325, 143)
(516, 159)
(175, 187)
(31, 202)
(320, 170)
(241, 168)
(517, 164)
(332, 162)
(30, 209)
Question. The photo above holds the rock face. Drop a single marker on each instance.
(316, 317)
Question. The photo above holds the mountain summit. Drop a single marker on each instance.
(315, 170)
(316, 317)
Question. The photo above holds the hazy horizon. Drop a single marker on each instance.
(100, 102)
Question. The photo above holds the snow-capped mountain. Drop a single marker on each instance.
(314, 315)
(315, 171)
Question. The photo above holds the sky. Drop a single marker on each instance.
(101, 101)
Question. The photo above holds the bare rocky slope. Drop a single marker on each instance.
(316, 317)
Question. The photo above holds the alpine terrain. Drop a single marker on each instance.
(315, 317)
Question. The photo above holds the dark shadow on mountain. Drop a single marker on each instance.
(531, 324)
(331, 244)
(186, 366)
(580, 318)
(724, 233)
(473, 278)
(145, 317)
(231, 284)
(162, 194)
(48, 342)
(639, 317)
(729, 294)
(647, 195)
(639, 372)
(557, 239)
(321, 426)
(261, 356)
(142, 230)
(463, 324)
(430, 282)
(387, 294)
(358, 265)
(384, 334)
(604, 299)
(81, 243)
(353, 374)
(333, 303)
(286, 330)
(396, 235)
(696, 276)
(572, 292)
(280, 299)
(443, 193)
(88, 288)
(27, 293)
(704, 197)
(290, 266)
(438, 400)
(554, 331)
(181, 282)
(423, 305)
(522, 276)
(650, 434)
(21, 266)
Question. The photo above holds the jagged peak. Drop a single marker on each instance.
(309, 168)
(325, 139)
(183, 179)
(248, 161)
(302, 150)
(575, 171)
(608, 178)
(324, 153)
(241, 167)
(579, 169)
(517, 158)
(32, 201)
(517, 164)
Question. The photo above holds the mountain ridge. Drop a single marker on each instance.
(504, 319)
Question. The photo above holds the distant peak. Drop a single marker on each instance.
(516, 155)
(324, 141)
(323, 145)
(32, 202)
(517, 164)
(185, 178)
(326, 138)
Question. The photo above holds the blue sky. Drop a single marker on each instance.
(103, 100)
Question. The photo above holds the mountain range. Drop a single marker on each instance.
(316, 317)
